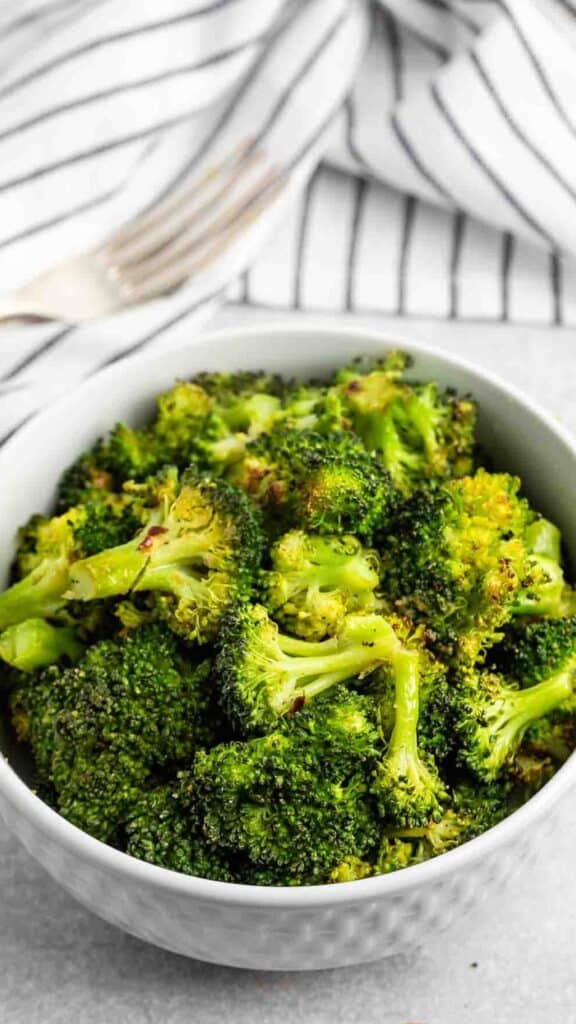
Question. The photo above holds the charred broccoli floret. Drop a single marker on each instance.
(264, 675)
(198, 551)
(456, 558)
(321, 484)
(162, 829)
(418, 431)
(100, 730)
(315, 581)
(291, 806)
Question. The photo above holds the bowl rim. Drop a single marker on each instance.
(24, 802)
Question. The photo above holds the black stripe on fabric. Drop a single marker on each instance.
(230, 109)
(60, 218)
(394, 44)
(157, 332)
(126, 87)
(89, 154)
(45, 346)
(293, 164)
(90, 204)
(14, 430)
(443, 53)
(351, 143)
(539, 69)
(556, 287)
(309, 63)
(458, 226)
(245, 288)
(405, 245)
(505, 272)
(410, 151)
(480, 162)
(449, 8)
(515, 127)
(360, 190)
(116, 37)
(303, 240)
(40, 14)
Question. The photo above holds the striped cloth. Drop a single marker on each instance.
(446, 130)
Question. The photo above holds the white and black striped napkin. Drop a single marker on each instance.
(447, 127)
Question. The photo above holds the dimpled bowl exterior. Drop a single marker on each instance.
(264, 928)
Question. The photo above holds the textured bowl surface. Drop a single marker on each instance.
(244, 926)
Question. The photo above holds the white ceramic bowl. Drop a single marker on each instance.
(266, 928)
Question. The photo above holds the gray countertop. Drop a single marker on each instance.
(512, 961)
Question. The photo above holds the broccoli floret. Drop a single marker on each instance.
(418, 432)
(83, 482)
(100, 730)
(494, 715)
(315, 581)
(539, 650)
(264, 674)
(321, 484)
(162, 829)
(244, 405)
(407, 783)
(199, 550)
(352, 869)
(47, 547)
(291, 806)
(473, 810)
(34, 644)
(455, 557)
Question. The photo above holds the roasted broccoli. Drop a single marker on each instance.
(456, 558)
(264, 675)
(291, 632)
(315, 581)
(47, 548)
(321, 484)
(418, 432)
(474, 809)
(35, 643)
(101, 730)
(494, 713)
(407, 782)
(162, 828)
(291, 806)
(198, 552)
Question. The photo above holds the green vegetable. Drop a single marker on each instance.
(291, 632)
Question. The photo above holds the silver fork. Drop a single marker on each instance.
(177, 239)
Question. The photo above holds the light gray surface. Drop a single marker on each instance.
(513, 961)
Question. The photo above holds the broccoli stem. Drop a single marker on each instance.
(513, 713)
(37, 596)
(34, 643)
(332, 661)
(146, 563)
(108, 573)
(354, 575)
(403, 746)
(410, 792)
(544, 538)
